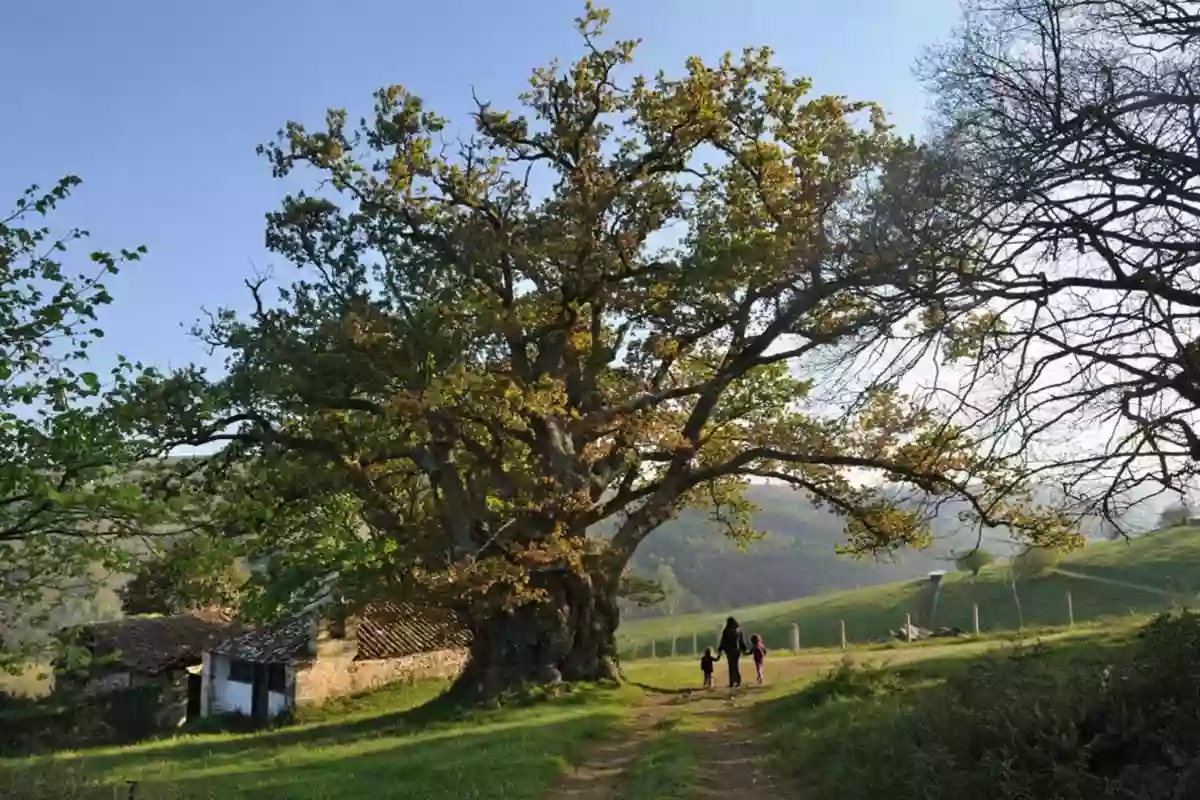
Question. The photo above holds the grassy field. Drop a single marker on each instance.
(1106, 580)
(406, 742)
(395, 743)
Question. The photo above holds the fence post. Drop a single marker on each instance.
(653, 648)
(795, 637)
(975, 617)
(672, 647)
(842, 624)
(1070, 611)
(908, 631)
(695, 652)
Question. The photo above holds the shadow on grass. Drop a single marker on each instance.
(671, 690)
(435, 751)
(846, 735)
(438, 741)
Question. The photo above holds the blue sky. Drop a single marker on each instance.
(158, 105)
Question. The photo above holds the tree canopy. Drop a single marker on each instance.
(1035, 562)
(974, 560)
(68, 497)
(615, 305)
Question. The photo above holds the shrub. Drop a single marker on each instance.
(973, 561)
(1035, 562)
(1027, 723)
(850, 680)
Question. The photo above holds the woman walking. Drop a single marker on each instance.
(733, 645)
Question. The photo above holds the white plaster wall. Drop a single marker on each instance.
(231, 697)
(277, 703)
(228, 697)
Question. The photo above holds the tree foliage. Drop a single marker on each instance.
(1035, 562)
(1071, 128)
(1174, 515)
(974, 560)
(610, 307)
(66, 496)
(193, 573)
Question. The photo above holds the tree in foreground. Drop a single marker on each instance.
(1072, 127)
(624, 303)
(68, 503)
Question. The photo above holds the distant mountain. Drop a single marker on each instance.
(797, 558)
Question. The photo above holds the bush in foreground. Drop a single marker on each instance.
(1030, 723)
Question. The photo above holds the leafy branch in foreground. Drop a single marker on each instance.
(609, 308)
(67, 497)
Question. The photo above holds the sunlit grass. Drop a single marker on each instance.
(391, 744)
(1107, 580)
(667, 766)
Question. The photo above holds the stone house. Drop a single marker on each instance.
(148, 665)
(318, 655)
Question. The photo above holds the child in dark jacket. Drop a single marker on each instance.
(759, 651)
(706, 666)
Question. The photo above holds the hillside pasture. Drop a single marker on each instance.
(1106, 580)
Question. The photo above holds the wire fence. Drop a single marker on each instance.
(1060, 599)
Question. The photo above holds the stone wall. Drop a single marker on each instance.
(335, 673)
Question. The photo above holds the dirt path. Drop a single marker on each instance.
(1112, 582)
(731, 754)
(598, 776)
(718, 728)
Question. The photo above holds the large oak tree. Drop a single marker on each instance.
(609, 308)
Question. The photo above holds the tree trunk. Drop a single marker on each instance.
(570, 636)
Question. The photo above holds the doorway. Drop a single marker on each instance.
(194, 683)
(259, 705)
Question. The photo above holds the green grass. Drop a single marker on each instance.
(1106, 580)
(400, 742)
(666, 767)
(897, 730)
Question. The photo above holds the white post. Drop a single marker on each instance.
(908, 631)
(1070, 611)
(975, 617)
(672, 647)
(653, 649)
(795, 637)
(695, 651)
(843, 626)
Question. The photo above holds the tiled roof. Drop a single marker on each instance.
(391, 630)
(151, 645)
(285, 642)
(385, 630)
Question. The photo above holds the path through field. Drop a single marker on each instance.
(713, 729)
(1111, 582)
(718, 734)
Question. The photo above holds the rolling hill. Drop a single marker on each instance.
(798, 556)
(1140, 576)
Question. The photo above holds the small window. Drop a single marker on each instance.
(277, 678)
(241, 672)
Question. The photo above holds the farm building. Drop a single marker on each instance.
(157, 659)
(316, 656)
